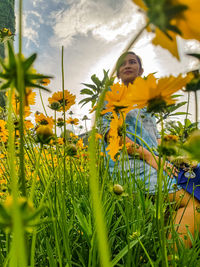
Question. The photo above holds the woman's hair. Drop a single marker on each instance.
(121, 60)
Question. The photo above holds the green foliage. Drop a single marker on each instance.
(9, 72)
(7, 19)
(183, 131)
(94, 90)
(168, 111)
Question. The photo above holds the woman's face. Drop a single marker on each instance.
(130, 69)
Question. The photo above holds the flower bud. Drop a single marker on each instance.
(118, 189)
(71, 150)
(55, 105)
(44, 134)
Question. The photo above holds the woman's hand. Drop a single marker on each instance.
(170, 169)
(152, 160)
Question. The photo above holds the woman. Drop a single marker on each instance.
(141, 123)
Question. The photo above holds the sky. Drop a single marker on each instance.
(94, 33)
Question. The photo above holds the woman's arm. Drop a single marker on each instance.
(146, 155)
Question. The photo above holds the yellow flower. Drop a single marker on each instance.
(69, 99)
(60, 141)
(43, 120)
(80, 143)
(145, 91)
(28, 124)
(3, 131)
(189, 22)
(118, 99)
(113, 136)
(73, 136)
(72, 121)
(183, 21)
(162, 40)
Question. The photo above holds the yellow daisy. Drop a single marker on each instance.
(144, 91)
(117, 99)
(113, 136)
(74, 121)
(3, 131)
(44, 120)
(69, 99)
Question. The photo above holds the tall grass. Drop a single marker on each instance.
(64, 211)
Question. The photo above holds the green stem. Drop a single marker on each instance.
(159, 204)
(104, 250)
(21, 89)
(35, 175)
(145, 251)
(196, 108)
(43, 103)
(18, 251)
(64, 114)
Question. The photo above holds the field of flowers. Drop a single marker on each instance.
(59, 204)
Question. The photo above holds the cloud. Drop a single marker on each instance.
(106, 19)
(32, 21)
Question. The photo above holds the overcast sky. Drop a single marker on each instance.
(93, 33)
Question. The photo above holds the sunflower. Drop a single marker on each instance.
(72, 121)
(172, 18)
(113, 136)
(156, 91)
(118, 99)
(3, 131)
(69, 99)
(44, 120)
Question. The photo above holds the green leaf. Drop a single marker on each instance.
(124, 251)
(5, 85)
(37, 76)
(3, 65)
(33, 85)
(105, 77)
(86, 100)
(11, 55)
(3, 213)
(86, 91)
(29, 61)
(179, 113)
(96, 80)
(90, 86)
(50, 253)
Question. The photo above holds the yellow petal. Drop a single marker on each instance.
(141, 4)
(162, 40)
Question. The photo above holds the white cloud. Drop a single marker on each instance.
(104, 19)
(31, 23)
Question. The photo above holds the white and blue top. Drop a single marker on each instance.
(141, 124)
